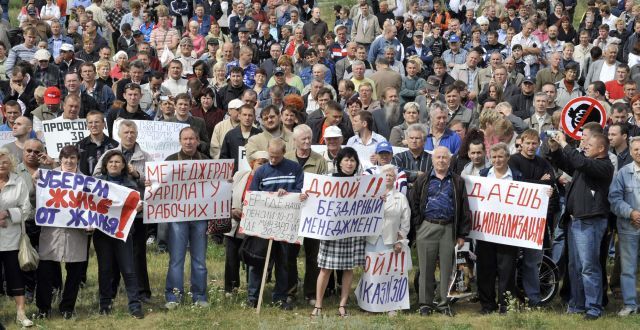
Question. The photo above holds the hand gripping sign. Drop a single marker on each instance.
(580, 111)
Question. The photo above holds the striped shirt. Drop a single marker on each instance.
(412, 165)
(161, 37)
(287, 175)
(17, 54)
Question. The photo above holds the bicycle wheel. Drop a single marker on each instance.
(549, 280)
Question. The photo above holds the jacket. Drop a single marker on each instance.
(397, 135)
(138, 161)
(199, 126)
(587, 194)
(624, 196)
(49, 77)
(259, 142)
(563, 96)
(124, 114)
(91, 153)
(593, 73)
(462, 214)
(396, 219)
(228, 93)
(14, 198)
(344, 126)
(411, 87)
(522, 105)
(232, 141)
(316, 164)
(365, 36)
(239, 184)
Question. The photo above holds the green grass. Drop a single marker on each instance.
(231, 312)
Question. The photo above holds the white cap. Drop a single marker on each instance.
(332, 131)
(67, 48)
(235, 104)
(259, 155)
(42, 55)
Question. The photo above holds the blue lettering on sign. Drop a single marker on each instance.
(391, 291)
(73, 181)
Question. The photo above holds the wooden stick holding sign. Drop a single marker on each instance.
(264, 276)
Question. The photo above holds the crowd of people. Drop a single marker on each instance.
(466, 87)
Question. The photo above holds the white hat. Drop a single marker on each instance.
(332, 131)
(235, 104)
(67, 48)
(259, 155)
(42, 55)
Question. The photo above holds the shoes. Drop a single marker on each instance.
(67, 315)
(171, 305)
(286, 306)
(106, 310)
(137, 314)
(342, 311)
(151, 240)
(317, 312)
(145, 299)
(23, 321)
(252, 303)
(590, 317)
(487, 311)
(392, 313)
(201, 304)
(626, 311)
(426, 310)
(42, 315)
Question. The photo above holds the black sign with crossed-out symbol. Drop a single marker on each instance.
(580, 111)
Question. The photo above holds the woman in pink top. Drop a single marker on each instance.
(199, 44)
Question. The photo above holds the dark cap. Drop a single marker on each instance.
(243, 29)
(213, 41)
(433, 83)
(529, 79)
(278, 70)
(137, 33)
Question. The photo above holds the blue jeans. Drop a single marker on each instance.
(531, 261)
(181, 235)
(279, 254)
(629, 242)
(585, 237)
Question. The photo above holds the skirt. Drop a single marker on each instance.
(342, 254)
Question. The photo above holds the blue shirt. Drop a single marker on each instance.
(439, 204)
(285, 175)
(6, 128)
(378, 46)
(249, 73)
(449, 139)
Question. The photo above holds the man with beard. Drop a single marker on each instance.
(385, 77)
(439, 135)
(271, 129)
(389, 114)
(552, 45)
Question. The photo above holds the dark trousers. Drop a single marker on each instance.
(48, 271)
(12, 272)
(311, 270)
(33, 231)
(110, 252)
(139, 237)
(495, 261)
(232, 263)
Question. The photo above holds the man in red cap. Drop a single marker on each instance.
(49, 110)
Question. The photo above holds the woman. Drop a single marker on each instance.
(460, 160)
(635, 110)
(14, 210)
(343, 254)
(411, 114)
(219, 78)
(260, 86)
(292, 79)
(207, 109)
(496, 92)
(354, 105)
(201, 72)
(502, 32)
(49, 12)
(475, 39)
(111, 252)
(104, 69)
(233, 240)
(566, 32)
(58, 245)
(396, 218)
(557, 15)
(199, 44)
(296, 104)
(163, 34)
(620, 31)
(288, 117)
(121, 58)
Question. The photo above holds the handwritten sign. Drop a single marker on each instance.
(158, 138)
(384, 285)
(6, 137)
(72, 200)
(266, 215)
(188, 190)
(60, 133)
(341, 207)
(507, 212)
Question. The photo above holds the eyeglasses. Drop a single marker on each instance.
(32, 151)
(518, 145)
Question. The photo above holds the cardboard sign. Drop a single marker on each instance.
(159, 138)
(188, 190)
(59, 133)
(341, 207)
(268, 216)
(580, 111)
(73, 200)
(507, 212)
(384, 285)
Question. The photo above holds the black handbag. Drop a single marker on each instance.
(219, 226)
(253, 250)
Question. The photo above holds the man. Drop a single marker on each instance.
(315, 26)
(630, 89)
(615, 88)
(152, 92)
(484, 75)
(22, 87)
(315, 99)
(388, 114)
(295, 21)
(586, 202)
(384, 77)
(467, 72)
(233, 89)
(136, 76)
(57, 39)
(339, 47)
(346, 62)
(626, 207)
(21, 131)
(332, 116)
(552, 73)
(414, 161)
(440, 71)
(598, 91)
(282, 176)
(505, 109)
(237, 21)
(47, 74)
(455, 108)
(500, 77)
(269, 65)
(418, 48)
(306, 73)
(175, 83)
(365, 27)
(238, 136)
(130, 110)
(567, 89)
(101, 93)
(603, 69)
(441, 216)
(346, 90)
(523, 101)
(439, 135)
(540, 121)
(23, 51)
(388, 39)
(280, 81)
(534, 169)
(531, 47)
(618, 134)
(455, 54)
(359, 78)
(551, 45)
(187, 234)
(311, 162)
(92, 147)
(333, 140)
(364, 135)
(271, 129)
(12, 110)
(513, 75)
(222, 128)
(210, 56)
(183, 116)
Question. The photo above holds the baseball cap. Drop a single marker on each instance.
(418, 34)
(278, 70)
(235, 104)
(243, 29)
(213, 41)
(384, 146)
(42, 55)
(52, 95)
(67, 48)
(137, 33)
(529, 79)
(454, 38)
(332, 131)
(433, 83)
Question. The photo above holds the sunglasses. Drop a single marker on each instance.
(33, 151)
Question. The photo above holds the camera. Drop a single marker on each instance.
(551, 133)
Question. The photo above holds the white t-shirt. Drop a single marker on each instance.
(608, 72)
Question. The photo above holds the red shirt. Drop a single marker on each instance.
(615, 89)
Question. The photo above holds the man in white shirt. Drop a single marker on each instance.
(364, 136)
(175, 83)
(531, 46)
